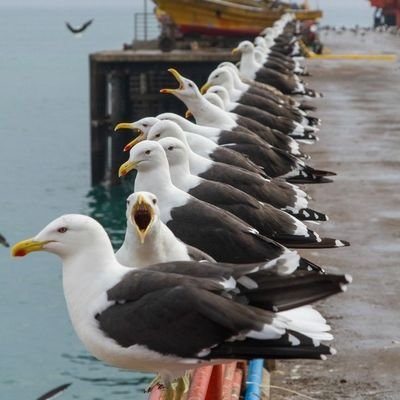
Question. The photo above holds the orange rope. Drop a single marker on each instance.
(155, 393)
(200, 382)
(228, 380)
(237, 384)
(216, 382)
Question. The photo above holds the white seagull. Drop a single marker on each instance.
(176, 316)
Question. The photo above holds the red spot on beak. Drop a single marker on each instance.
(20, 253)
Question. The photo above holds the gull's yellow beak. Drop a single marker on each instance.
(126, 167)
(235, 50)
(134, 141)
(125, 125)
(188, 114)
(24, 247)
(178, 77)
(132, 127)
(142, 217)
(205, 87)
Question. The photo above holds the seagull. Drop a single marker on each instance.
(222, 76)
(79, 29)
(3, 241)
(279, 163)
(205, 113)
(288, 196)
(221, 140)
(215, 96)
(52, 394)
(276, 192)
(236, 135)
(246, 143)
(249, 68)
(148, 240)
(269, 221)
(274, 59)
(171, 317)
(283, 124)
(209, 148)
(263, 90)
(218, 233)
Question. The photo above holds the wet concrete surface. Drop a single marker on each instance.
(360, 140)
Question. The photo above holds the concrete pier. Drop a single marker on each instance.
(360, 140)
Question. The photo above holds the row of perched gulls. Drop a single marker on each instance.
(358, 30)
(207, 271)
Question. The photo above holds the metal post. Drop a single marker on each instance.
(145, 19)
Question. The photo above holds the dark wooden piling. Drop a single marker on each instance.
(98, 122)
(119, 112)
(125, 86)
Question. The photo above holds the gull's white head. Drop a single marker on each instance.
(244, 47)
(176, 151)
(182, 122)
(231, 66)
(142, 213)
(171, 117)
(164, 129)
(145, 156)
(142, 127)
(213, 98)
(187, 89)
(260, 42)
(221, 92)
(66, 236)
(221, 76)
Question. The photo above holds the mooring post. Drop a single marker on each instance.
(98, 121)
(120, 105)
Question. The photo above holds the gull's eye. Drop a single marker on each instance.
(154, 201)
(62, 229)
(145, 125)
(147, 152)
(170, 148)
(190, 85)
(158, 135)
(127, 202)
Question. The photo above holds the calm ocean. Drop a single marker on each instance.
(44, 164)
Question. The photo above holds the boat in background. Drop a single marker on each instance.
(222, 18)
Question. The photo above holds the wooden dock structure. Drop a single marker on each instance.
(125, 86)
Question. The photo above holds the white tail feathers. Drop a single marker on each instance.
(308, 322)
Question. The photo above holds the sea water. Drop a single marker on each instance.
(45, 172)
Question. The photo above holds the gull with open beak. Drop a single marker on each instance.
(141, 127)
(148, 240)
(278, 164)
(175, 316)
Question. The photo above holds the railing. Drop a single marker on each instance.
(146, 27)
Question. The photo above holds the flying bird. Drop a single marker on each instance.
(52, 394)
(3, 241)
(79, 29)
